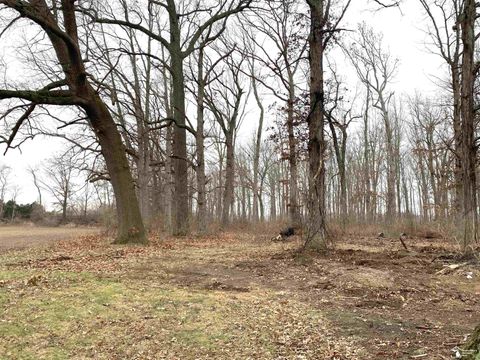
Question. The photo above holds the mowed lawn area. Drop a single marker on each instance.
(235, 296)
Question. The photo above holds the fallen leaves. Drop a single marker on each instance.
(231, 297)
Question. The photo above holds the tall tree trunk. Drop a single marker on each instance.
(343, 176)
(37, 186)
(457, 131)
(405, 190)
(130, 224)
(168, 204)
(262, 207)
(143, 154)
(243, 204)
(180, 165)
(431, 170)
(391, 168)
(273, 202)
(340, 148)
(366, 159)
(200, 142)
(292, 154)
(398, 176)
(64, 210)
(316, 140)
(258, 142)
(229, 177)
(219, 190)
(468, 126)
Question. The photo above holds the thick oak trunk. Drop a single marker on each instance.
(468, 127)
(180, 165)
(316, 123)
(130, 224)
(457, 131)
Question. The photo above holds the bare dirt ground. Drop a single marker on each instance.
(237, 296)
(16, 237)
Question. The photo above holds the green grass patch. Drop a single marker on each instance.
(69, 314)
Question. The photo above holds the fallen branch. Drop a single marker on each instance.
(449, 268)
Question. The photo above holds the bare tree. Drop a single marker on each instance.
(469, 146)
(431, 153)
(376, 68)
(15, 191)
(205, 75)
(34, 171)
(445, 36)
(340, 115)
(322, 29)
(281, 24)
(198, 20)
(225, 99)
(258, 138)
(60, 172)
(74, 87)
(5, 172)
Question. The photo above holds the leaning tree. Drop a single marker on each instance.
(73, 86)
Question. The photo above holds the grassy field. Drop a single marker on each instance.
(236, 297)
(14, 237)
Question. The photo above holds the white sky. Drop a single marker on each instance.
(402, 33)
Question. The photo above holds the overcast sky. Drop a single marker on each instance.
(403, 34)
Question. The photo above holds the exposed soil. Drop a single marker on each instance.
(376, 300)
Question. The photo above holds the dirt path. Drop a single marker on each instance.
(19, 237)
(385, 303)
(239, 297)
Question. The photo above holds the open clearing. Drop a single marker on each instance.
(236, 297)
(15, 237)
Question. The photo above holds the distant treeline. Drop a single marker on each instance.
(12, 210)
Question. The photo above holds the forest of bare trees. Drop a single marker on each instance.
(198, 116)
(166, 88)
(154, 95)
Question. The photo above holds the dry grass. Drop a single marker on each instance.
(27, 236)
(412, 227)
(234, 296)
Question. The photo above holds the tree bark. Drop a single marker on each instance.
(292, 154)
(457, 133)
(273, 202)
(316, 122)
(258, 140)
(229, 177)
(468, 126)
(65, 42)
(366, 159)
(130, 224)
(391, 168)
(180, 165)
(200, 142)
